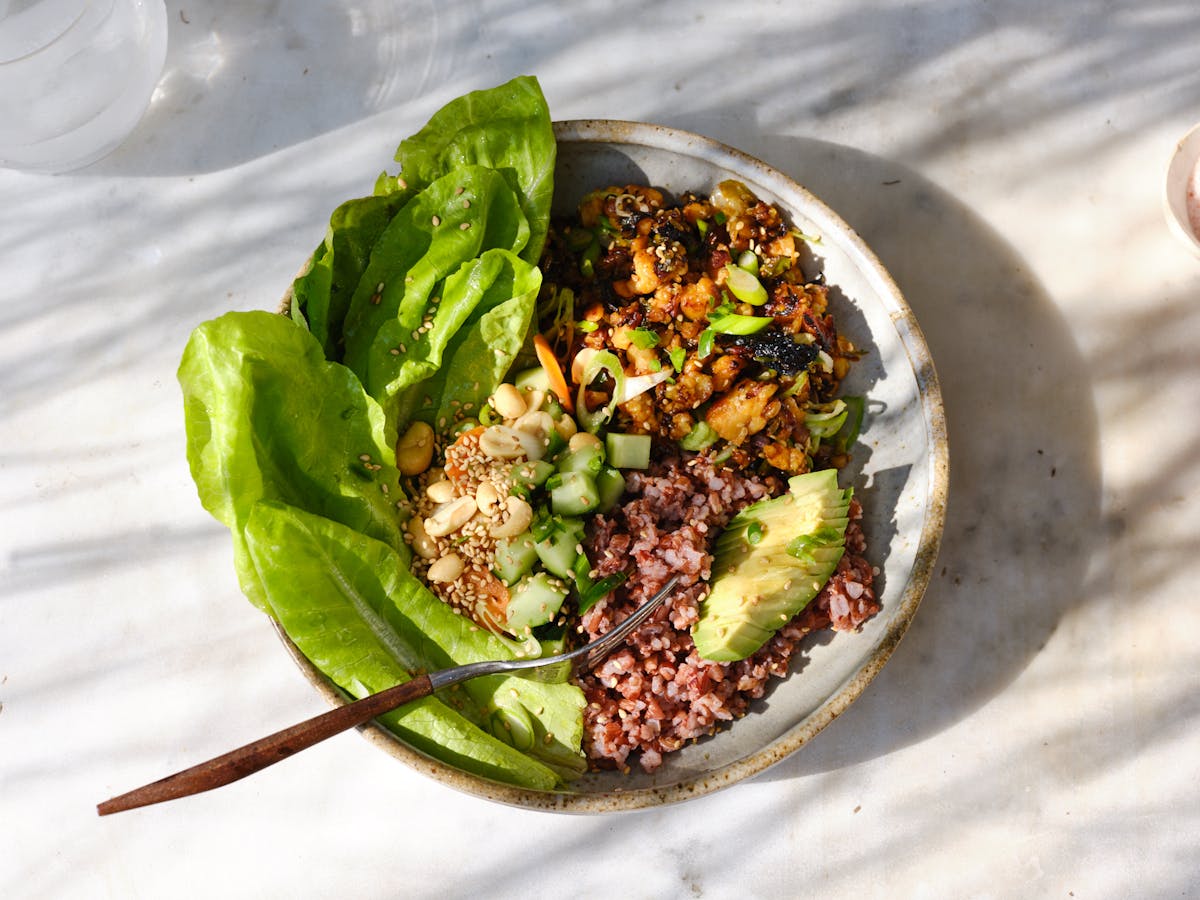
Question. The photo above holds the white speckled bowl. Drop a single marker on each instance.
(1181, 189)
(900, 471)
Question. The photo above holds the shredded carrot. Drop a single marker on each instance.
(491, 598)
(454, 471)
(558, 383)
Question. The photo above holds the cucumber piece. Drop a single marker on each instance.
(529, 475)
(575, 494)
(533, 378)
(588, 459)
(610, 485)
(514, 558)
(533, 601)
(628, 451)
(559, 549)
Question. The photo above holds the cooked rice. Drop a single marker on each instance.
(656, 693)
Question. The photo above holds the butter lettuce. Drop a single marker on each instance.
(506, 128)
(321, 295)
(475, 332)
(268, 417)
(351, 605)
(414, 306)
(424, 244)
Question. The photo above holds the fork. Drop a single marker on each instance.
(253, 757)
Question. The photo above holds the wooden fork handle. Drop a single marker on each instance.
(236, 764)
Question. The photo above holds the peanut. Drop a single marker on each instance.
(414, 451)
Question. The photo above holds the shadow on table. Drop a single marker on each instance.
(1024, 512)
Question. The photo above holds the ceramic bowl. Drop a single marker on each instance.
(900, 472)
(1181, 190)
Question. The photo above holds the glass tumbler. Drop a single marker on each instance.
(75, 77)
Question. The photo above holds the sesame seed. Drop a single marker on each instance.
(466, 203)
(383, 487)
(436, 221)
(464, 226)
(365, 457)
(458, 190)
(395, 351)
(379, 288)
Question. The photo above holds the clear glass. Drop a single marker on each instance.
(76, 76)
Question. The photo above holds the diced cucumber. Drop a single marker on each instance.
(610, 485)
(514, 557)
(574, 494)
(534, 600)
(533, 378)
(559, 548)
(628, 451)
(589, 459)
(529, 475)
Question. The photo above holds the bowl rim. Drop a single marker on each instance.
(1177, 173)
(661, 137)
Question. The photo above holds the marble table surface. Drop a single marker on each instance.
(1036, 734)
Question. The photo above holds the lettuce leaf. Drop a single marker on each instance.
(506, 128)
(425, 290)
(321, 294)
(424, 243)
(268, 418)
(353, 608)
(475, 334)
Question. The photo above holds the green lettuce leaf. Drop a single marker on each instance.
(268, 417)
(424, 243)
(476, 331)
(353, 608)
(426, 290)
(506, 128)
(321, 294)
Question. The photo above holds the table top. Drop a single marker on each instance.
(1037, 733)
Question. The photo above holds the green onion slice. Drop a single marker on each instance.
(743, 285)
(734, 323)
(643, 338)
(604, 361)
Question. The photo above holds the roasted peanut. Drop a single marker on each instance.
(508, 402)
(446, 569)
(449, 517)
(414, 451)
(518, 516)
(441, 491)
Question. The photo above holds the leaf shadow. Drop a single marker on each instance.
(1024, 512)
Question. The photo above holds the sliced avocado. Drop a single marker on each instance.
(769, 563)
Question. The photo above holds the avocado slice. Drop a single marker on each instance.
(769, 563)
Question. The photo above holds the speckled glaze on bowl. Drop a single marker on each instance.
(900, 471)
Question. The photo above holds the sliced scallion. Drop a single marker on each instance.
(643, 338)
(734, 323)
(601, 363)
(677, 355)
(743, 285)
